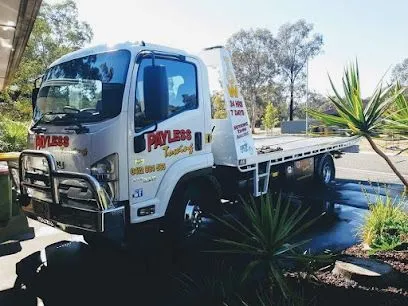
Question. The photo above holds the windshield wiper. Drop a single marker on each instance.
(36, 129)
(71, 120)
(79, 128)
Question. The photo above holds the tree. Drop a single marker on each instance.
(218, 106)
(254, 65)
(56, 32)
(363, 120)
(270, 118)
(315, 101)
(295, 45)
(400, 72)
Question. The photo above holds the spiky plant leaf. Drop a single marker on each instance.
(352, 113)
(268, 237)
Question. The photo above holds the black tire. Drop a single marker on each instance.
(24, 295)
(325, 171)
(97, 242)
(186, 209)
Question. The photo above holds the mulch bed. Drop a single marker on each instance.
(326, 288)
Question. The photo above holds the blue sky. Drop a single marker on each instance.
(373, 31)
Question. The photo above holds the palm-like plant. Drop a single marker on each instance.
(397, 119)
(365, 120)
(268, 239)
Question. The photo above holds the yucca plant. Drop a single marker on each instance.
(397, 119)
(364, 120)
(268, 238)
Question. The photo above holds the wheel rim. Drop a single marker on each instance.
(192, 218)
(327, 173)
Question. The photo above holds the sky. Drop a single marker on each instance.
(371, 31)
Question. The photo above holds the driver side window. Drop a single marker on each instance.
(182, 89)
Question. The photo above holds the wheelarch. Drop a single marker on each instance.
(202, 179)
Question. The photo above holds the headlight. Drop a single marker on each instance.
(106, 171)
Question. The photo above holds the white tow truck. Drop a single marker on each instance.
(138, 134)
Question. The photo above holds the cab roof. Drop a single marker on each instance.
(133, 47)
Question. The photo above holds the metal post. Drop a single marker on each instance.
(307, 92)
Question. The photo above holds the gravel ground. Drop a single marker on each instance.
(328, 288)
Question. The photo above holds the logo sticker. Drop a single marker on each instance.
(139, 161)
(181, 149)
(44, 141)
(138, 193)
(162, 138)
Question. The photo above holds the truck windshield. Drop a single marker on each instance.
(86, 89)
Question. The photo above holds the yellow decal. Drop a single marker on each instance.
(181, 149)
(208, 138)
(233, 90)
(139, 161)
(148, 169)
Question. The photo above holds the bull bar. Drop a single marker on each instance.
(72, 214)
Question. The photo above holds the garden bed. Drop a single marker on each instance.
(326, 288)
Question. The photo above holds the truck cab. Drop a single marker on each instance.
(134, 133)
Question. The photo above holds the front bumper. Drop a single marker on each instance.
(73, 202)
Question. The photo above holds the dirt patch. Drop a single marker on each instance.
(391, 145)
(325, 288)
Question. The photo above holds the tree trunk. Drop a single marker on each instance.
(291, 101)
(385, 157)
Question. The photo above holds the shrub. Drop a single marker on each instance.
(13, 135)
(385, 226)
(18, 111)
(268, 239)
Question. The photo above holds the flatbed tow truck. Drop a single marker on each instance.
(136, 134)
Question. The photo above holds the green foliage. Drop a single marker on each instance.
(220, 286)
(295, 44)
(361, 119)
(218, 106)
(13, 135)
(56, 32)
(385, 227)
(397, 117)
(17, 111)
(270, 118)
(268, 239)
(254, 65)
(368, 119)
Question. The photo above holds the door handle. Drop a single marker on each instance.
(198, 141)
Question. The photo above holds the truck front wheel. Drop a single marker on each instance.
(185, 211)
(325, 170)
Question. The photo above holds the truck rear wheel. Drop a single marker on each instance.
(325, 171)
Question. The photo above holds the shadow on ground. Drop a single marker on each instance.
(12, 232)
(154, 273)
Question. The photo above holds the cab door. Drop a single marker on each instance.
(179, 135)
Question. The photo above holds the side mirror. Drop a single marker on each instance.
(156, 92)
(34, 92)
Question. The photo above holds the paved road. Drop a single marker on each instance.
(370, 167)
